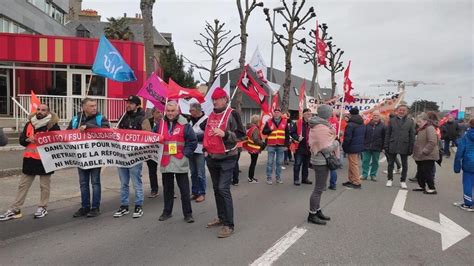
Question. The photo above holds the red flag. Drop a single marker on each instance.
(453, 113)
(299, 123)
(275, 102)
(158, 70)
(34, 102)
(253, 90)
(321, 47)
(176, 92)
(348, 85)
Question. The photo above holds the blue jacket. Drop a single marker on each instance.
(465, 154)
(354, 135)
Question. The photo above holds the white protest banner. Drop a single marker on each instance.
(97, 147)
(367, 104)
(311, 104)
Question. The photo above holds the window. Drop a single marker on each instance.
(1, 25)
(6, 25)
(50, 9)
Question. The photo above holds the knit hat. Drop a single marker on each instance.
(306, 110)
(354, 111)
(324, 111)
(219, 93)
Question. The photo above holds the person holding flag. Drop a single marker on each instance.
(223, 131)
(299, 134)
(254, 145)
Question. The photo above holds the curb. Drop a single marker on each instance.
(12, 148)
(10, 172)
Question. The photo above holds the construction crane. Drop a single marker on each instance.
(402, 84)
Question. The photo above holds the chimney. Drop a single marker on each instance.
(124, 15)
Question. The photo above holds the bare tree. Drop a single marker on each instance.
(294, 22)
(244, 17)
(309, 52)
(334, 57)
(146, 7)
(216, 43)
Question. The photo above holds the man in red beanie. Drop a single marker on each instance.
(222, 132)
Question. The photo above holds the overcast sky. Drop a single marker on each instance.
(416, 40)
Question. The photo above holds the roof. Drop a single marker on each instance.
(96, 29)
(279, 78)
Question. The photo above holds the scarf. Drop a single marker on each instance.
(39, 123)
(321, 136)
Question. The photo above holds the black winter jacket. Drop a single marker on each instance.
(374, 136)
(354, 135)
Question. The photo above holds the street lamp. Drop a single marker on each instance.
(276, 9)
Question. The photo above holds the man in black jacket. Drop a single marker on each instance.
(373, 142)
(157, 115)
(89, 118)
(302, 154)
(133, 119)
(450, 132)
(40, 121)
(399, 139)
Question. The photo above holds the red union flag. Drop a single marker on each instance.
(275, 102)
(34, 102)
(348, 85)
(321, 47)
(299, 123)
(253, 90)
(177, 92)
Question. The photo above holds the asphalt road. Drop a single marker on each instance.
(362, 230)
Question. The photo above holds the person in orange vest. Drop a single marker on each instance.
(278, 140)
(40, 121)
(223, 131)
(179, 142)
(253, 145)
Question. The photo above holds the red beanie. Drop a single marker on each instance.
(219, 93)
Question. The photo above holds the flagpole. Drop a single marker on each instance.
(162, 125)
(342, 112)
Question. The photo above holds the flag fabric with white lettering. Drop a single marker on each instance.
(110, 64)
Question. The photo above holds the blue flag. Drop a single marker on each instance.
(110, 64)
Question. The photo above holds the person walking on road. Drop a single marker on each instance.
(197, 162)
(40, 121)
(425, 154)
(179, 142)
(464, 161)
(278, 140)
(399, 139)
(223, 131)
(89, 118)
(299, 133)
(253, 145)
(133, 119)
(450, 133)
(373, 142)
(157, 115)
(353, 145)
(322, 143)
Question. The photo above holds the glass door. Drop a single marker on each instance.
(4, 93)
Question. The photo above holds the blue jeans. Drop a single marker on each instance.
(92, 176)
(301, 160)
(197, 165)
(333, 179)
(134, 173)
(278, 152)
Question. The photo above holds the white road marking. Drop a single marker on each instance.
(451, 232)
(279, 247)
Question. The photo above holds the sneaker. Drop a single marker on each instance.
(200, 198)
(297, 183)
(225, 231)
(94, 212)
(253, 181)
(403, 185)
(138, 212)
(466, 207)
(283, 168)
(413, 179)
(347, 184)
(430, 192)
(398, 171)
(386, 171)
(235, 184)
(355, 186)
(279, 181)
(418, 189)
(214, 223)
(123, 210)
(363, 178)
(164, 217)
(269, 181)
(458, 203)
(307, 182)
(40, 212)
(373, 178)
(332, 187)
(389, 183)
(189, 219)
(81, 212)
(153, 194)
(11, 214)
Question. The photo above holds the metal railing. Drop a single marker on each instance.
(67, 106)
